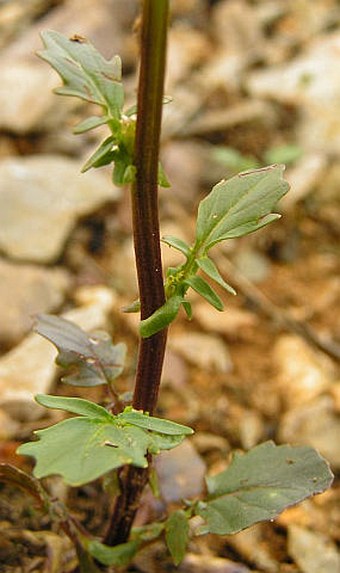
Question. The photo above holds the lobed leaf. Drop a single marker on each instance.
(177, 535)
(94, 360)
(239, 205)
(260, 484)
(85, 72)
(83, 448)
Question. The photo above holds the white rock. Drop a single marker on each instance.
(233, 322)
(41, 198)
(205, 351)
(26, 290)
(313, 552)
(311, 82)
(29, 369)
(302, 373)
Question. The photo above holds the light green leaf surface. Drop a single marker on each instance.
(120, 555)
(83, 448)
(74, 405)
(178, 244)
(152, 423)
(177, 535)
(85, 72)
(89, 123)
(209, 268)
(103, 155)
(239, 205)
(260, 484)
(161, 318)
(199, 285)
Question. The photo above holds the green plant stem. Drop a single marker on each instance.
(147, 245)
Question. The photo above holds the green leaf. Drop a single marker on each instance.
(137, 418)
(161, 318)
(209, 268)
(177, 535)
(84, 448)
(233, 159)
(162, 178)
(74, 405)
(260, 484)
(204, 289)
(239, 205)
(85, 72)
(178, 244)
(90, 123)
(288, 153)
(120, 555)
(93, 359)
(103, 155)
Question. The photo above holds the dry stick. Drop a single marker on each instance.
(281, 317)
(147, 246)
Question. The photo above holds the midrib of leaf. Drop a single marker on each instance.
(229, 212)
(252, 489)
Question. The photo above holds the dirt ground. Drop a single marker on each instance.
(252, 82)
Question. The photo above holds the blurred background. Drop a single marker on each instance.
(250, 83)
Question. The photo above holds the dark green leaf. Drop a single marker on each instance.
(260, 484)
(178, 244)
(188, 309)
(204, 289)
(84, 71)
(160, 425)
(120, 555)
(103, 155)
(209, 268)
(161, 318)
(177, 535)
(89, 123)
(93, 358)
(239, 205)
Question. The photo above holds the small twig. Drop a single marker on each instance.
(278, 315)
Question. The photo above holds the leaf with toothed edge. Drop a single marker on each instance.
(92, 358)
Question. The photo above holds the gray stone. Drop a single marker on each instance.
(181, 473)
(311, 82)
(26, 290)
(41, 198)
(202, 350)
(313, 552)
